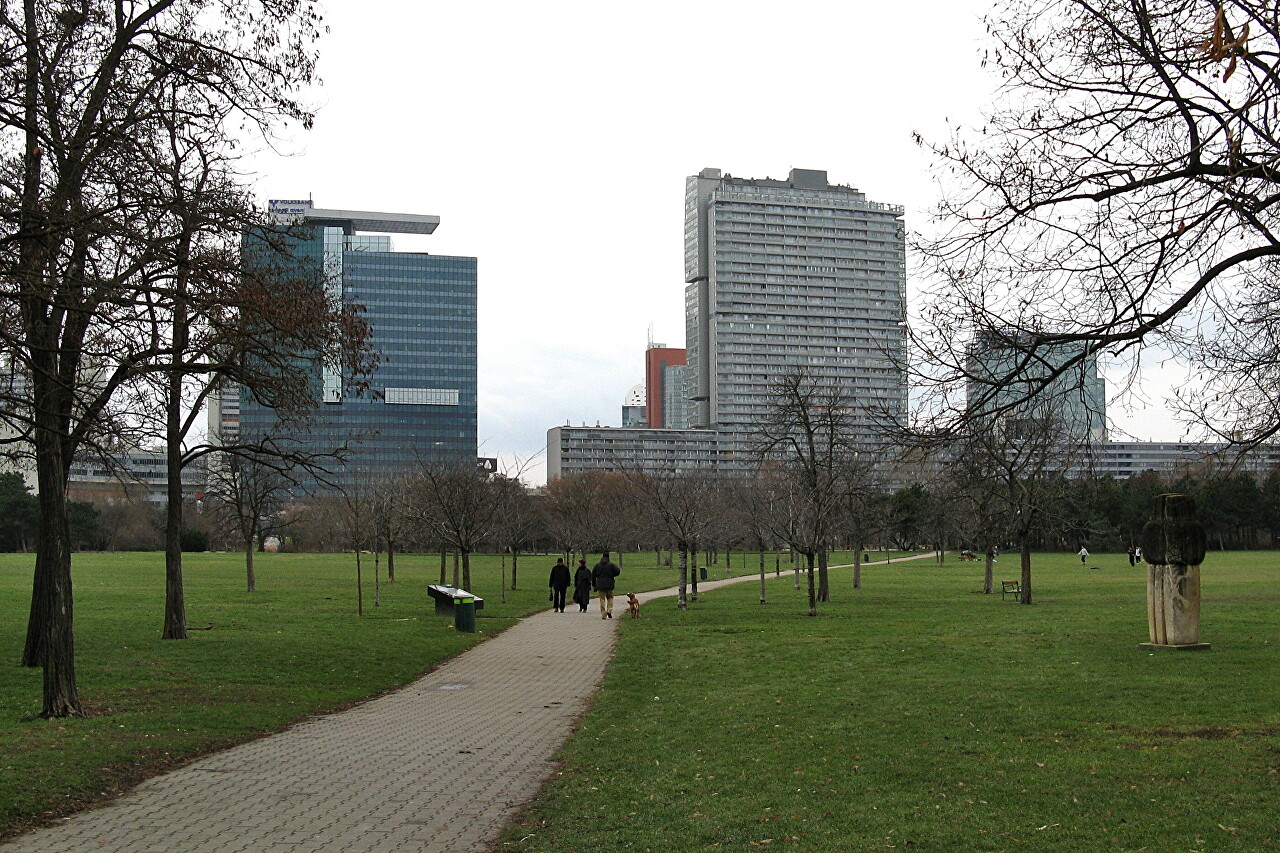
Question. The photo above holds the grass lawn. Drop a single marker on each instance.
(916, 714)
(292, 649)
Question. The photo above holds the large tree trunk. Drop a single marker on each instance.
(988, 575)
(466, 570)
(51, 622)
(175, 604)
(444, 567)
(1025, 582)
(515, 566)
(824, 584)
(391, 561)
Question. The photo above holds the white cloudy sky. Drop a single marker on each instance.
(553, 140)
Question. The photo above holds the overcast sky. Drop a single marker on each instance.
(553, 140)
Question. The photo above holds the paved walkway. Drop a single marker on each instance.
(440, 765)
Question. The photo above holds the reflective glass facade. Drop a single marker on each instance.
(422, 310)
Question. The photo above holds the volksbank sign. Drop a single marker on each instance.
(288, 207)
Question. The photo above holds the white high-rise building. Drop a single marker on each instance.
(784, 274)
(780, 275)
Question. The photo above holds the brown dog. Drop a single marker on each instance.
(633, 605)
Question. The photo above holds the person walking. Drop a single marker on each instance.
(1084, 554)
(559, 582)
(602, 578)
(582, 586)
(1132, 560)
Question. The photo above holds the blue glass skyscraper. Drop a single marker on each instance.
(422, 310)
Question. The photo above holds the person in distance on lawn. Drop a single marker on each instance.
(602, 577)
(559, 582)
(582, 586)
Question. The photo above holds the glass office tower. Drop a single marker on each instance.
(786, 274)
(422, 310)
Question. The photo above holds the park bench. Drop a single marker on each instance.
(1010, 588)
(444, 596)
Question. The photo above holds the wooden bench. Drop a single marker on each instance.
(1008, 588)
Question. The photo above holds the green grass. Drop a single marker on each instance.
(919, 715)
(292, 649)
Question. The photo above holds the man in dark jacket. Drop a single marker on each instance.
(602, 578)
(559, 583)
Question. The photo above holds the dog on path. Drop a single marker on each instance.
(633, 605)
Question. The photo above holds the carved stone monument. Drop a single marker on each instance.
(1173, 544)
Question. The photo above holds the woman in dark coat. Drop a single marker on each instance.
(559, 582)
(582, 586)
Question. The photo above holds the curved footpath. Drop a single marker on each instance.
(440, 765)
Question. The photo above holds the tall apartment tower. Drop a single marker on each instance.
(422, 310)
(791, 273)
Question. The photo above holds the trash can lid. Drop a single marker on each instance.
(462, 600)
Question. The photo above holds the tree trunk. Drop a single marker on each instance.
(391, 561)
(988, 576)
(1025, 583)
(175, 605)
(693, 574)
(53, 647)
(824, 584)
(515, 566)
(466, 571)
(762, 572)
(682, 602)
(777, 564)
(857, 564)
(248, 564)
(813, 594)
(359, 585)
(444, 563)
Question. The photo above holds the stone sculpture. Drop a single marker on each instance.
(1173, 544)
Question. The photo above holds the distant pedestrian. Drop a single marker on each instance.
(602, 578)
(559, 582)
(1137, 553)
(1084, 554)
(1133, 558)
(582, 586)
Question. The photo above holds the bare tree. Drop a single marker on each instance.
(676, 505)
(515, 523)
(457, 503)
(1021, 464)
(808, 433)
(244, 493)
(1122, 195)
(78, 112)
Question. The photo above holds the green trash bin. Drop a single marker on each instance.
(464, 614)
(702, 573)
